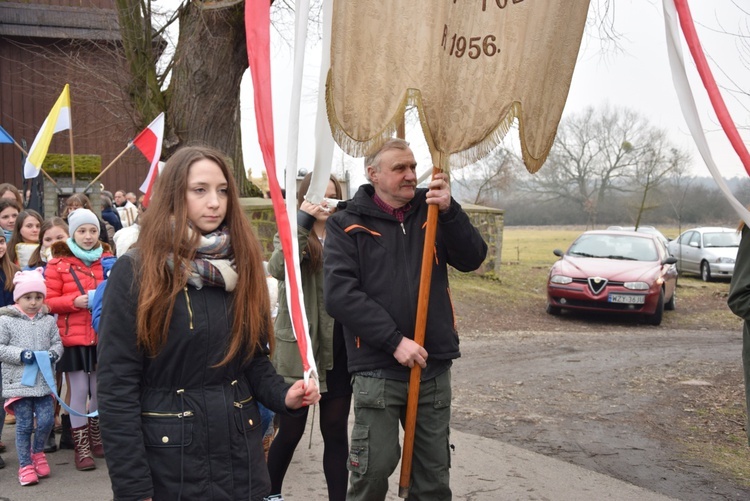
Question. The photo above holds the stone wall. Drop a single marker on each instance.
(55, 196)
(489, 221)
(58, 167)
(260, 213)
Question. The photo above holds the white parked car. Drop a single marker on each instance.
(709, 251)
(643, 229)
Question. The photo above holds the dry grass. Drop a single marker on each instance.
(534, 246)
(714, 427)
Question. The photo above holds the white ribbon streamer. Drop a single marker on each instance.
(323, 138)
(300, 39)
(689, 108)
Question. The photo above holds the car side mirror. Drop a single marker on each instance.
(558, 253)
(670, 260)
(694, 244)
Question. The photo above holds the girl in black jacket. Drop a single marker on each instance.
(184, 319)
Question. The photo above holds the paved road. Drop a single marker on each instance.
(483, 470)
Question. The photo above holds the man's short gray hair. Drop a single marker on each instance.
(373, 159)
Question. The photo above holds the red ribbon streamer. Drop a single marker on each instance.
(722, 113)
(257, 26)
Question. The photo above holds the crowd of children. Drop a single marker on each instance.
(49, 272)
(197, 268)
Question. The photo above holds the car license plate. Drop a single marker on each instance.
(627, 298)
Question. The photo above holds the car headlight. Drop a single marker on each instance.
(725, 260)
(560, 279)
(636, 286)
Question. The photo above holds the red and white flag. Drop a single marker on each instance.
(257, 24)
(149, 143)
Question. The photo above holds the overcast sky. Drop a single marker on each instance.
(640, 77)
(637, 76)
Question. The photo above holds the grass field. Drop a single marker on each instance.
(534, 245)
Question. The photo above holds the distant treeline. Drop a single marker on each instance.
(691, 201)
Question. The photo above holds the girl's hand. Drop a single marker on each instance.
(319, 211)
(301, 395)
(81, 302)
(27, 357)
(308, 207)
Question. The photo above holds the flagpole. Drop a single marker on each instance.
(51, 180)
(72, 160)
(423, 302)
(26, 153)
(130, 145)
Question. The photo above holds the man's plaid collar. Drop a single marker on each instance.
(398, 213)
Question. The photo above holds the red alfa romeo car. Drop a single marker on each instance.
(618, 271)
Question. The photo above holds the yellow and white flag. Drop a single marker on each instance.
(58, 120)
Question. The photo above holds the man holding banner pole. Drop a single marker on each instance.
(372, 256)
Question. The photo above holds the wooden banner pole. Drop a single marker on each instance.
(72, 159)
(419, 335)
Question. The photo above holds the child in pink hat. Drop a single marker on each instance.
(25, 329)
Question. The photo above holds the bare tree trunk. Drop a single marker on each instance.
(141, 52)
(204, 93)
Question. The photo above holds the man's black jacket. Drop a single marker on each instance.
(372, 273)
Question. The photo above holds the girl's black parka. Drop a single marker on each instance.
(176, 426)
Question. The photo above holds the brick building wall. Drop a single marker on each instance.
(45, 44)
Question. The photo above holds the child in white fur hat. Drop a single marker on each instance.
(24, 329)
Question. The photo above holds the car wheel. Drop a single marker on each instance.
(553, 310)
(655, 318)
(705, 271)
(669, 305)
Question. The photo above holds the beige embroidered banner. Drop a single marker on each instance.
(470, 66)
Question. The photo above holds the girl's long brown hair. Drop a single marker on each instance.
(9, 268)
(17, 238)
(314, 247)
(51, 222)
(7, 202)
(11, 188)
(164, 231)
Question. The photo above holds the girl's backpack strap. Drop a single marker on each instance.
(78, 282)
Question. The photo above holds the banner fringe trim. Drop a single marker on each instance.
(413, 97)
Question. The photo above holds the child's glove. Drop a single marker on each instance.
(27, 357)
(53, 356)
